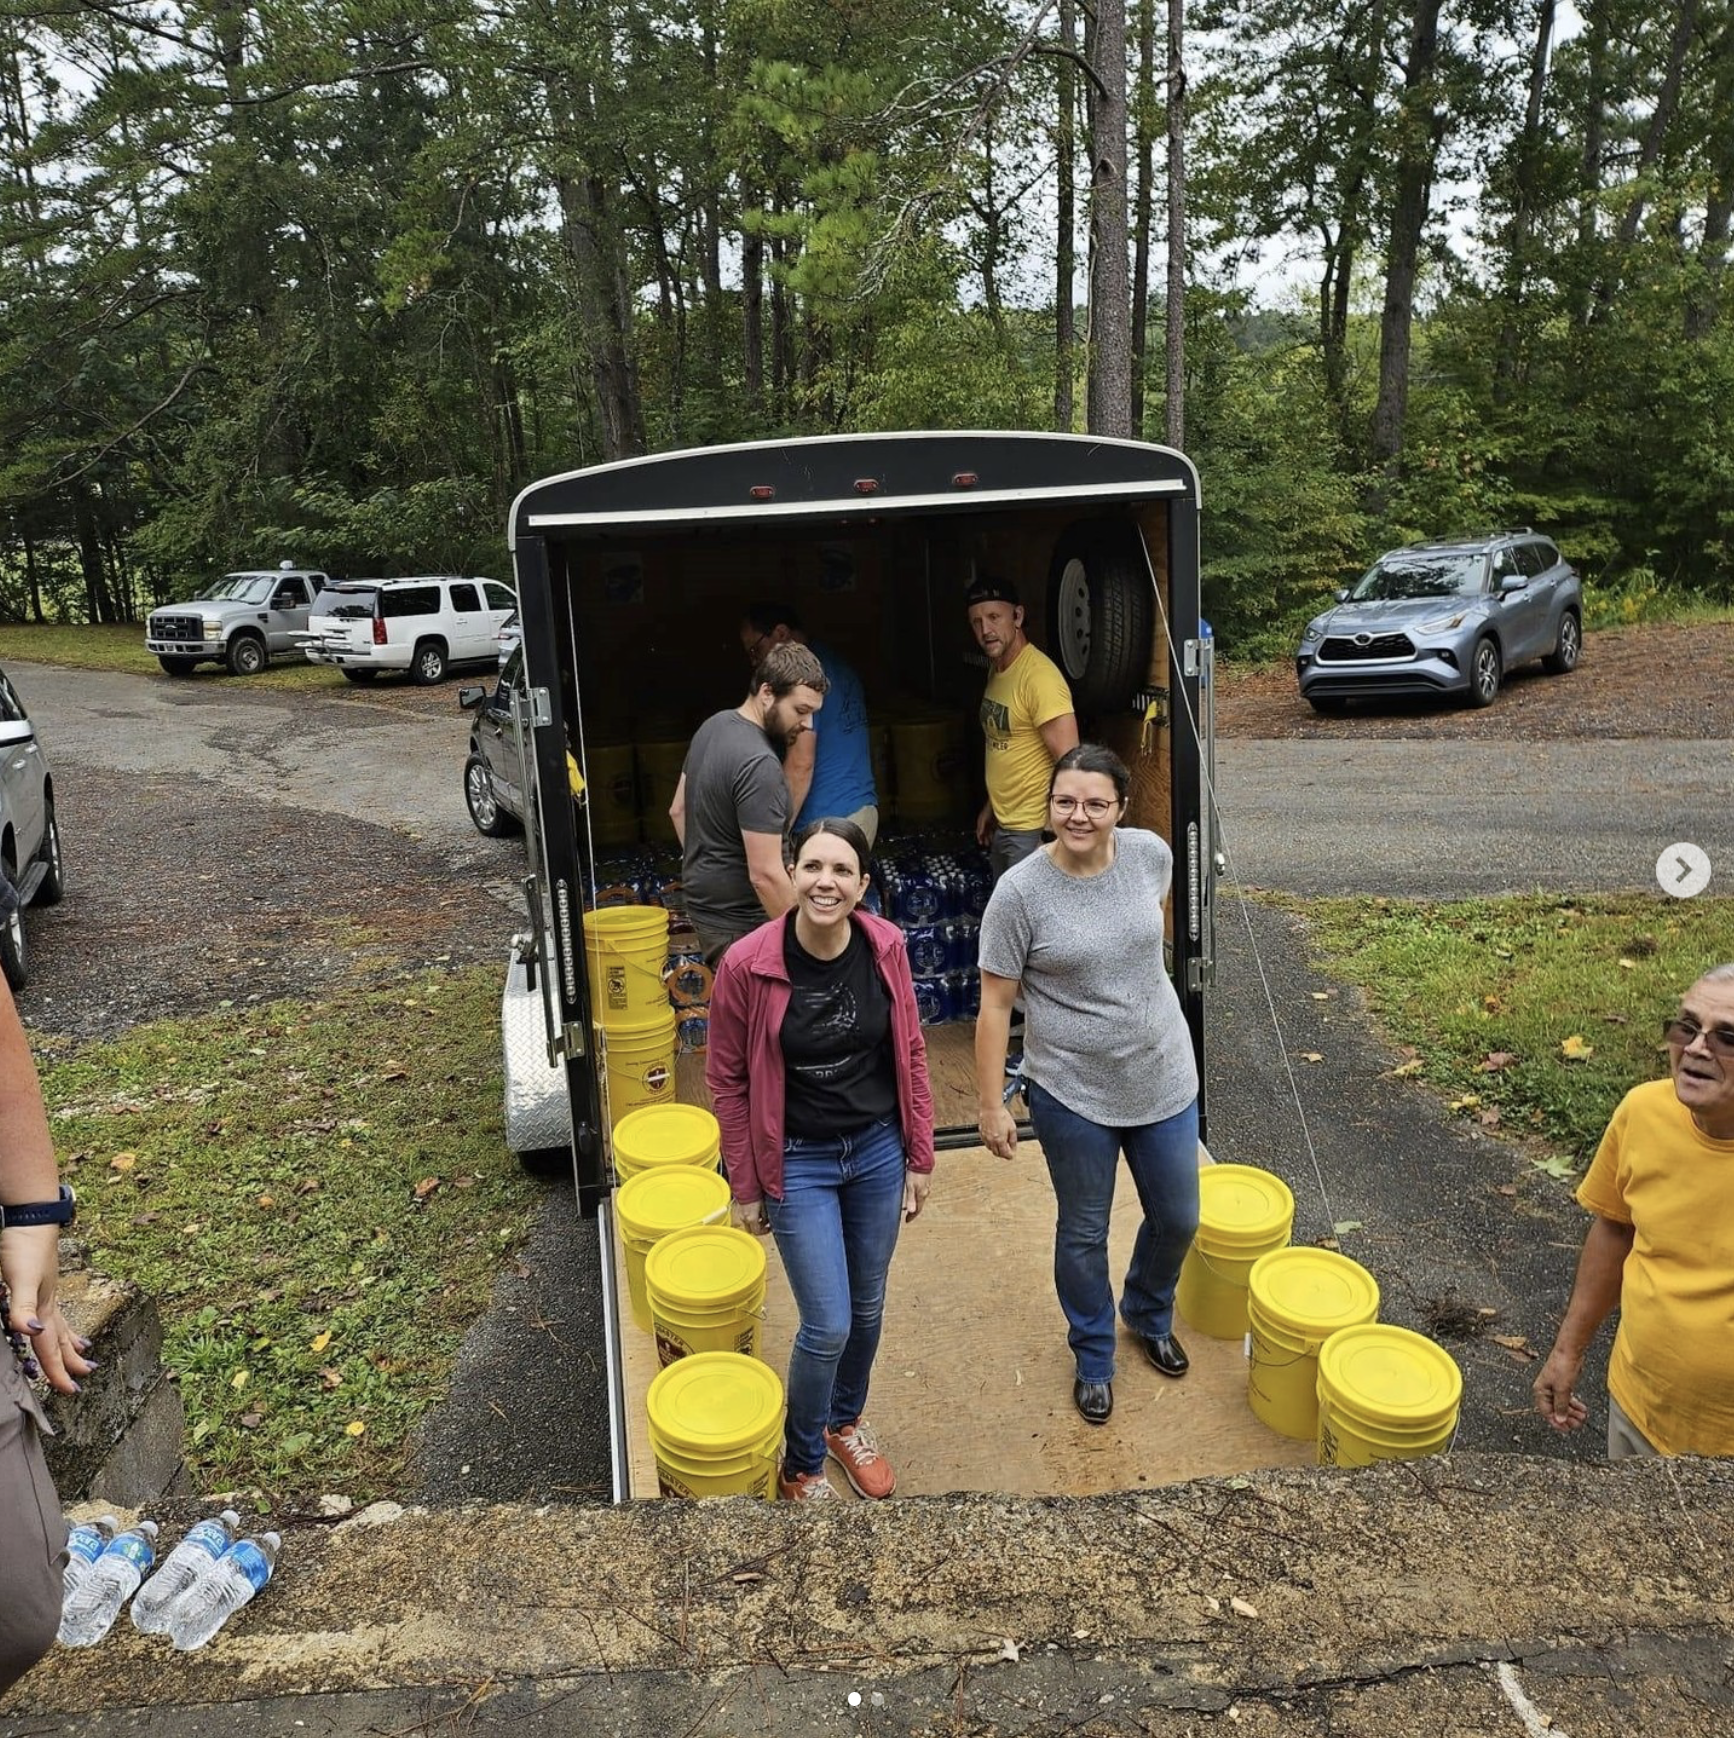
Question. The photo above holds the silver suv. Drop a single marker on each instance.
(423, 625)
(31, 872)
(1445, 619)
(242, 620)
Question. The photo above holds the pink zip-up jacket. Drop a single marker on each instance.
(744, 1062)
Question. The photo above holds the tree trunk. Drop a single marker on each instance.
(1521, 229)
(33, 577)
(753, 309)
(1176, 315)
(89, 552)
(1144, 130)
(1589, 174)
(1420, 128)
(1065, 224)
(1655, 134)
(607, 315)
(1704, 303)
(1108, 410)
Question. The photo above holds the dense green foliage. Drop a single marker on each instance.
(332, 283)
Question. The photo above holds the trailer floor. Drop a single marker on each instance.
(972, 1390)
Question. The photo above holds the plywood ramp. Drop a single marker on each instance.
(973, 1386)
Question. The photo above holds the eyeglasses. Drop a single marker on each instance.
(1679, 1030)
(757, 647)
(1094, 807)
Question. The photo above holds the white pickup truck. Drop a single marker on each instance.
(241, 621)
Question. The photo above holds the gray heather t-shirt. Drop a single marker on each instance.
(1104, 1032)
(734, 784)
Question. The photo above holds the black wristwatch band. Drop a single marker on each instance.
(61, 1212)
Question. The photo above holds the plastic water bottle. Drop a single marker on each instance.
(223, 1589)
(107, 1585)
(153, 1607)
(85, 1542)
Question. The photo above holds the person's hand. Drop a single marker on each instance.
(750, 1216)
(30, 1257)
(1554, 1398)
(915, 1187)
(984, 825)
(999, 1131)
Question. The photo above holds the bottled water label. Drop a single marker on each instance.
(251, 1561)
(86, 1542)
(135, 1548)
(211, 1537)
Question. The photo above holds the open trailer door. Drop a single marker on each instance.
(632, 578)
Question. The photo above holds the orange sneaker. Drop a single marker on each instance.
(806, 1487)
(856, 1451)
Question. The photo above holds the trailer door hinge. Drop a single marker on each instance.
(572, 1038)
(541, 711)
(1189, 656)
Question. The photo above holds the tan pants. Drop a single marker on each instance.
(32, 1530)
(1625, 1440)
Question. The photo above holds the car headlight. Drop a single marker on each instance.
(1442, 624)
(213, 630)
(1312, 631)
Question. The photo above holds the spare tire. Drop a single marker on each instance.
(1101, 614)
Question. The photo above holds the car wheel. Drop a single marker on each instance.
(51, 889)
(1484, 673)
(1101, 614)
(14, 960)
(1562, 660)
(484, 800)
(246, 656)
(178, 666)
(359, 677)
(429, 663)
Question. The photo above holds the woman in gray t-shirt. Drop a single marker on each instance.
(1076, 930)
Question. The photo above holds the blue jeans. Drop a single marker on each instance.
(835, 1227)
(1083, 1159)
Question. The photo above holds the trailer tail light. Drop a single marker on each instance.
(379, 630)
(866, 485)
(965, 480)
(762, 492)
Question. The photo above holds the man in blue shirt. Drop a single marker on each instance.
(830, 766)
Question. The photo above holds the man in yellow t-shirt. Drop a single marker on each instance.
(1661, 1247)
(1027, 718)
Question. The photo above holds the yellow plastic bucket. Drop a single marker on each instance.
(706, 1289)
(626, 949)
(716, 1423)
(638, 1057)
(1296, 1299)
(660, 765)
(611, 794)
(1385, 1394)
(659, 1135)
(652, 1204)
(1243, 1213)
(931, 766)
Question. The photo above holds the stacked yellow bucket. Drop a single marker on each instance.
(626, 952)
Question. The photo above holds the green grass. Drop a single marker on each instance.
(120, 646)
(1464, 986)
(318, 1197)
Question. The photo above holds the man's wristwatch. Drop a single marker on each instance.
(61, 1212)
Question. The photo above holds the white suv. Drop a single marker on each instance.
(423, 625)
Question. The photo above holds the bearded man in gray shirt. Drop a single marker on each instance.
(731, 807)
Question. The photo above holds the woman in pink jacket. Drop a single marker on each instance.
(818, 1076)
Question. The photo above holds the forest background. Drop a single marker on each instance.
(331, 282)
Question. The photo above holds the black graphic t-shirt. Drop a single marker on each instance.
(838, 1070)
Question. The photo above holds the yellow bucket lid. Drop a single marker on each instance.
(719, 1402)
(1312, 1292)
(667, 1134)
(1242, 1206)
(706, 1266)
(1391, 1374)
(624, 923)
(669, 1198)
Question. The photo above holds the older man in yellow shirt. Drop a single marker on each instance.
(1661, 1247)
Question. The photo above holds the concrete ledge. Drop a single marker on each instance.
(120, 1440)
(1376, 1601)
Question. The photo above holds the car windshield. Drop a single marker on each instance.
(347, 603)
(1415, 573)
(239, 588)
